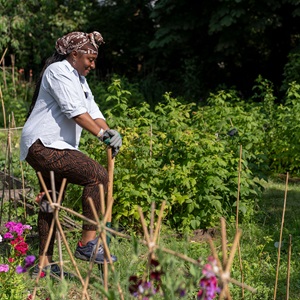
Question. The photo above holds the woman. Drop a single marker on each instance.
(61, 107)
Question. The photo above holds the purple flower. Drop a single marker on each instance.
(181, 292)
(20, 269)
(29, 261)
(4, 268)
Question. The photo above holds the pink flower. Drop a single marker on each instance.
(4, 268)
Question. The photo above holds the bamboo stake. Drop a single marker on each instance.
(2, 57)
(224, 279)
(224, 242)
(3, 108)
(23, 190)
(51, 232)
(13, 121)
(225, 290)
(92, 260)
(9, 163)
(146, 234)
(4, 72)
(105, 244)
(289, 268)
(239, 186)
(12, 58)
(158, 226)
(280, 238)
(43, 259)
(100, 227)
(55, 215)
(110, 170)
(237, 217)
(233, 250)
(152, 219)
(105, 265)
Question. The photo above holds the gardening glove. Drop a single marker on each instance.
(115, 151)
(113, 139)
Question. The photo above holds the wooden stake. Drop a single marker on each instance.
(224, 242)
(289, 268)
(3, 108)
(280, 238)
(55, 219)
(105, 265)
(110, 169)
(237, 217)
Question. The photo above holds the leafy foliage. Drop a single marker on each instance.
(189, 155)
(181, 154)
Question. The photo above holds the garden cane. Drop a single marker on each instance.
(110, 169)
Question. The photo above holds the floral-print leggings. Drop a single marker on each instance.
(76, 168)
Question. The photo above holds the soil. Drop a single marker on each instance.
(201, 235)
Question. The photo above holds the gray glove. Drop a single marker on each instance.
(113, 139)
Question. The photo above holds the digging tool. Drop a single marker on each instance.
(110, 169)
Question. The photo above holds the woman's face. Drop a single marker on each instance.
(84, 63)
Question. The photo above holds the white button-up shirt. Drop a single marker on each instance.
(63, 95)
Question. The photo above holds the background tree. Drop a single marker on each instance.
(30, 28)
(188, 47)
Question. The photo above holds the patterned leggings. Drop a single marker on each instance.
(76, 168)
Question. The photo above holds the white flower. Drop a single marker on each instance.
(1, 239)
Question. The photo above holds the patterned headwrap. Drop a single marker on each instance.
(79, 41)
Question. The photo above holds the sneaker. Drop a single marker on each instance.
(86, 252)
(53, 270)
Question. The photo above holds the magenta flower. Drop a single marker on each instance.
(4, 268)
(209, 282)
(15, 228)
(8, 235)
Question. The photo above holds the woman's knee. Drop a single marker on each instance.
(101, 175)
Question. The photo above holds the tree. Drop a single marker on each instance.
(30, 28)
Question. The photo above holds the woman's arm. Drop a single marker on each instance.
(89, 124)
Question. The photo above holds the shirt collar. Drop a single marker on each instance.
(71, 69)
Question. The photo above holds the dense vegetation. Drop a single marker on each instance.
(187, 154)
(206, 95)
